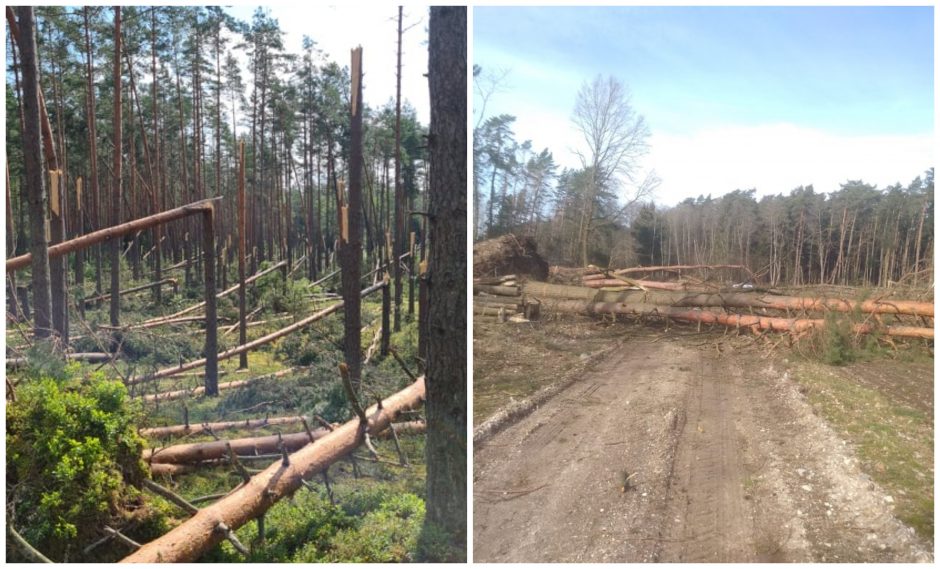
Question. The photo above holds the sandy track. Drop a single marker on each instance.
(726, 463)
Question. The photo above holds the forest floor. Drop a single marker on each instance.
(676, 446)
(370, 512)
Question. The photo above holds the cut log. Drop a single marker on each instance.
(670, 269)
(169, 372)
(736, 320)
(496, 289)
(197, 535)
(732, 300)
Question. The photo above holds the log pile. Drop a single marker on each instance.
(499, 298)
(741, 307)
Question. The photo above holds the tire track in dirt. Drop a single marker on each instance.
(717, 450)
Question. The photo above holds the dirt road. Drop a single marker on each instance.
(723, 460)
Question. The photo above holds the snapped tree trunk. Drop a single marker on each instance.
(351, 230)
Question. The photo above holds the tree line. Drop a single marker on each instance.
(603, 212)
(186, 105)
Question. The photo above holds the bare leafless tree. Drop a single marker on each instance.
(616, 138)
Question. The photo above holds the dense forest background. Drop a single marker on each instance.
(186, 105)
(856, 234)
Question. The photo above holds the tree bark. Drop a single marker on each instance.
(446, 447)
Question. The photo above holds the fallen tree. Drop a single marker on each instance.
(654, 285)
(197, 428)
(737, 320)
(201, 390)
(408, 427)
(209, 526)
(670, 269)
(169, 372)
(213, 450)
(172, 282)
(91, 357)
(734, 299)
(222, 294)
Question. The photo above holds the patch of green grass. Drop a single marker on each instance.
(893, 441)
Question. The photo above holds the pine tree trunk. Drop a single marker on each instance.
(35, 177)
(351, 230)
(399, 235)
(447, 269)
(116, 173)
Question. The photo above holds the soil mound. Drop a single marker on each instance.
(509, 255)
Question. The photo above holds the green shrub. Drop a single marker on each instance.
(388, 534)
(72, 451)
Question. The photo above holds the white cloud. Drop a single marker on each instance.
(780, 157)
(773, 158)
(338, 29)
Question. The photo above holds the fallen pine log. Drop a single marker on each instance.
(148, 286)
(91, 357)
(407, 427)
(194, 453)
(180, 393)
(197, 428)
(494, 311)
(736, 320)
(144, 325)
(733, 299)
(222, 294)
(494, 280)
(199, 452)
(671, 269)
(655, 285)
(102, 235)
(498, 290)
(169, 372)
(198, 534)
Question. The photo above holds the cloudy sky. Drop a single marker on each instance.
(736, 98)
(339, 28)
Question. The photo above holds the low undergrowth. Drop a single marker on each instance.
(893, 438)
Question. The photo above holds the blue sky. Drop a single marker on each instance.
(774, 94)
